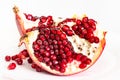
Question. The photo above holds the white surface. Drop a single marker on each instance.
(106, 12)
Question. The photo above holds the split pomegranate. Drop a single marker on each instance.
(62, 48)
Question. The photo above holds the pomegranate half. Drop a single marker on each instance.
(62, 47)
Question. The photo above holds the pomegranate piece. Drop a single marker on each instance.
(11, 66)
(61, 48)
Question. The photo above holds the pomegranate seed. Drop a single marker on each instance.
(55, 46)
(62, 36)
(45, 43)
(83, 58)
(52, 52)
(93, 26)
(69, 32)
(57, 67)
(30, 60)
(84, 31)
(61, 51)
(43, 19)
(23, 54)
(68, 53)
(81, 36)
(11, 66)
(54, 41)
(35, 18)
(42, 37)
(56, 51)
(50, 41)
(19, 61)
(61, 46)
(47, 31)
(53, 31)
(90, 30)
(29, 17)
(84, 19)
(80, 28)
(46, 59)
(62, 70)
(39, 42)
(59, 32)
(36, 47)
(66, 49)
(91, 39)
(64, 61)
(7, 58)
(38, 69)
(96, 39)
(78, 22)
(89, 35)
(78, 56)
(91, 21)
(86, 25)
(49, 18)
(49, 63)
(41, 50)
(50, 22)
(55, 62)
(65, 28)
(59, 42)
(88, 61)
(52, 67)
(52, 36)
(53, 57)
(57, 37)
(33, 65)
(74, 27)
(82, 65)
(63, 56)
(47, 54)
(65, 42)
(63, 65)
(69, 59)
(14, 57)
(47, 48)
(40, 58)
(47, 36)
(77, 32)
(36, 53)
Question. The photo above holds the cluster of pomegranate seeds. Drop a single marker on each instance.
(83, 28)
(19, 58)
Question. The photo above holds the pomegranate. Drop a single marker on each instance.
(66, 47)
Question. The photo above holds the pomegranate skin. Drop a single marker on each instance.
(26, 41)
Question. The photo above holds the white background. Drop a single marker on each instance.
(106, 12)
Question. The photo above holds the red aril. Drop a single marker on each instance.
(7, 58)
(64, 48)
(11, 66)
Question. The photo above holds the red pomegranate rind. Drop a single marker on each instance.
(43, 65)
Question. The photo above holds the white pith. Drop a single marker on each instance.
(76, 41)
